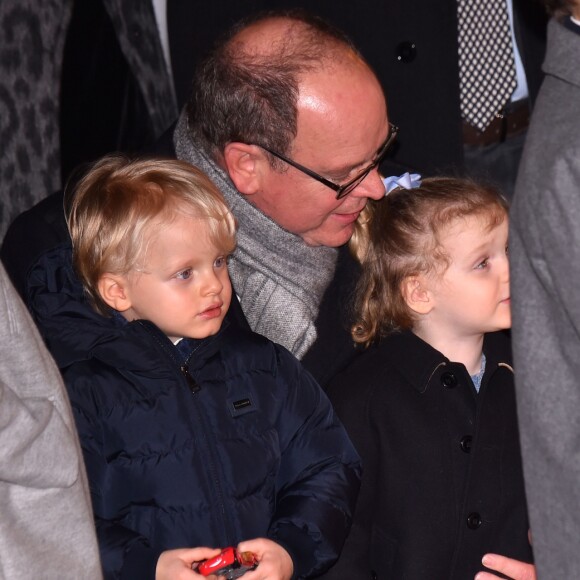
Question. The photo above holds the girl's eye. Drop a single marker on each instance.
(184, 274)
(221, 262)
(482, 265)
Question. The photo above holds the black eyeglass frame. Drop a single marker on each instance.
(345, 189)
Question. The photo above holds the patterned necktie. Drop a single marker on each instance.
(487, 74)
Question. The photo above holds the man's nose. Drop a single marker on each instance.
(371, 186)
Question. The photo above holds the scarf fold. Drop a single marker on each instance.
(279, 280)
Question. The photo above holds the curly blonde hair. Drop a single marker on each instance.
(117, 203)
(400, 237)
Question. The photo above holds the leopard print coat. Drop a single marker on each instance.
(32, 37)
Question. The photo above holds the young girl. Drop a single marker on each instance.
(430, 404)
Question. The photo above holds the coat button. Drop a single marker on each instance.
(473, 521)
(465, 443)
(448, 380)
(406, 51)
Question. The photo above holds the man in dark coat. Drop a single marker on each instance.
(281, 86)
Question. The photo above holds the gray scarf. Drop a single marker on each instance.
(279, 280)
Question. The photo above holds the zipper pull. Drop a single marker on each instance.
(195, 388)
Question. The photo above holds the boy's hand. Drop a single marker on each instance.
(512, 568)
(177, 564)
(274, 562)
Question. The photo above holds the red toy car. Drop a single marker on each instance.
(230, 564)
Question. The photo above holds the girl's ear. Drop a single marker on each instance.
(416, 294)
(243, 164)
(113, 291)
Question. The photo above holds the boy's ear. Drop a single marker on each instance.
(243, 164)
(417, 295)
(112, 289)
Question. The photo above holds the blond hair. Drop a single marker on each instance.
(114, 205)
(401, 238)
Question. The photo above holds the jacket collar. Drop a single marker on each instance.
(562, 53)
(135, 344)
(416, 368)
(419, 367)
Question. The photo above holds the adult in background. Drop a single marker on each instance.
(77, 79)
(46, 528)
(290, 123)
(545, 249)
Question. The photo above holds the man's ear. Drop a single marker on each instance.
(243, 163)
(417, 295)
(112, 289)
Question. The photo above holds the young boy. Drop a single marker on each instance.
(194, 432)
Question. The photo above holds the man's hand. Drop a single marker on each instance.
(515, 569)
(177, 564)
(274, 562)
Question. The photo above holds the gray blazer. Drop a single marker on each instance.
(46, 523)
(545, 276)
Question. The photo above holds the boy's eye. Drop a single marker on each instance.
(482, 265)
(221, 262)
(184, 274)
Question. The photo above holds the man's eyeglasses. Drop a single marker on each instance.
(343, 190)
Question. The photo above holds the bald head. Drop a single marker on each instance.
(305, 40)
(248, 89)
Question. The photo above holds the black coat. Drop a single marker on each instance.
(220, 440)
(442, 476)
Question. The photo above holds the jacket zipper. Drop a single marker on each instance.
(211, 466)
(195, 387)
(193, 384)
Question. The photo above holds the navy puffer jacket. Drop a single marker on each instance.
(238, 442)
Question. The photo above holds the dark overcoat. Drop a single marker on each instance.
(442, 476)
